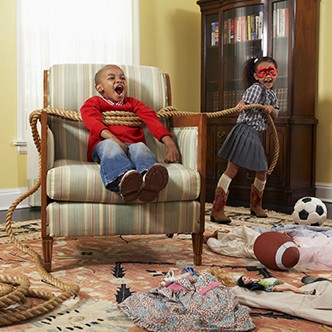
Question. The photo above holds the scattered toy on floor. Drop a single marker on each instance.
(276, 250)
(271, 285)
(309, 211)
(170, 276)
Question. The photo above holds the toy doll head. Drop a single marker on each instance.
(248, 283)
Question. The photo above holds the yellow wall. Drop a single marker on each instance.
(170, 39)
(13, 165)
(324, 106)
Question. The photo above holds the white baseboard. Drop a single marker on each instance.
(324, 192)
(8, 196)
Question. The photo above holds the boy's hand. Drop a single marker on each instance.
(123, 146)
(107, 134)
(172, 153)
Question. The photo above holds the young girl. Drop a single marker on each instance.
(270, 285)
(243, 146)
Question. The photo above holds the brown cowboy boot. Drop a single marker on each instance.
(256, 203)
(217, 212)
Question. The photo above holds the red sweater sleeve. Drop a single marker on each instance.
(91, 113)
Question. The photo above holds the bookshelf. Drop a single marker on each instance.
(233, 31)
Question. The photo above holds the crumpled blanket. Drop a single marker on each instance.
(317, 308)
(195, 303)
(237, 243)
(315, 253)
(315, 244)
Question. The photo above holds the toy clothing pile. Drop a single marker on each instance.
(192, 303)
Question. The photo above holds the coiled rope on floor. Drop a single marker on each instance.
(15, 289)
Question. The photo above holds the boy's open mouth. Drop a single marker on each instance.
(119, 89)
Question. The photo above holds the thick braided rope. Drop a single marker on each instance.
(15, 288)
(20, 284)
(131, 119)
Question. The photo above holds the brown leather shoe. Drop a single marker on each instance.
(154, 180)
(130, 185)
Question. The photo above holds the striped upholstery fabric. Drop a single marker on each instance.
(79, 203)
(77, 219)
(70, 85)
(78, 181)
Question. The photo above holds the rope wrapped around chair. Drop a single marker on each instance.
(14, 289)
(131, 119)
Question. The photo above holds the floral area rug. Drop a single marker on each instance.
(109, 269)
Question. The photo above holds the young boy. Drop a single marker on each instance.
(127, 165)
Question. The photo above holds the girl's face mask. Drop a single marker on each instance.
(262, 72)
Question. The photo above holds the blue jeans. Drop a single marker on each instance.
(114, 163)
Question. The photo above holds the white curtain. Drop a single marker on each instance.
(68, 31)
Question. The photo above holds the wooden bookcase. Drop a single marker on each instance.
(231, 32)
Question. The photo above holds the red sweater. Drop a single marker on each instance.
(92, 111)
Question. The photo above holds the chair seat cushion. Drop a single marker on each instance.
(91, 219)
(80, 181)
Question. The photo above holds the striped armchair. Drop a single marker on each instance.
(73, 200)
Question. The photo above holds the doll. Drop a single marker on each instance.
(270, 285)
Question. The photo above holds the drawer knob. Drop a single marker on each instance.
(221, 133)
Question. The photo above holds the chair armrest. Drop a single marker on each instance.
(184, 127)
(199, 121)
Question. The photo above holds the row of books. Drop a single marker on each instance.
(232, 97)
(280, 22)
(214, 34)
(250, 27)
(243, 28)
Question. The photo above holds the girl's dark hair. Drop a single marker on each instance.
(251, 286)
(250, 67)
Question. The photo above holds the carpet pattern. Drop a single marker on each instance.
(109, 269)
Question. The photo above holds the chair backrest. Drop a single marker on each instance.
(68, 86)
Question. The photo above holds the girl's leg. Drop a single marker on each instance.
(231, 170)
(256, 195)
(221, 194)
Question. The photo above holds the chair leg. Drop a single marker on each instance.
(197, 241)
(47, 244)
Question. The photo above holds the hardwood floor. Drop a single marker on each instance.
(21, 214)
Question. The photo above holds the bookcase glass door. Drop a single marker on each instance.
(242, 38)
(280, 50)
(212, 63)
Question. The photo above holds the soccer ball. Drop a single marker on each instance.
(309, 211)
